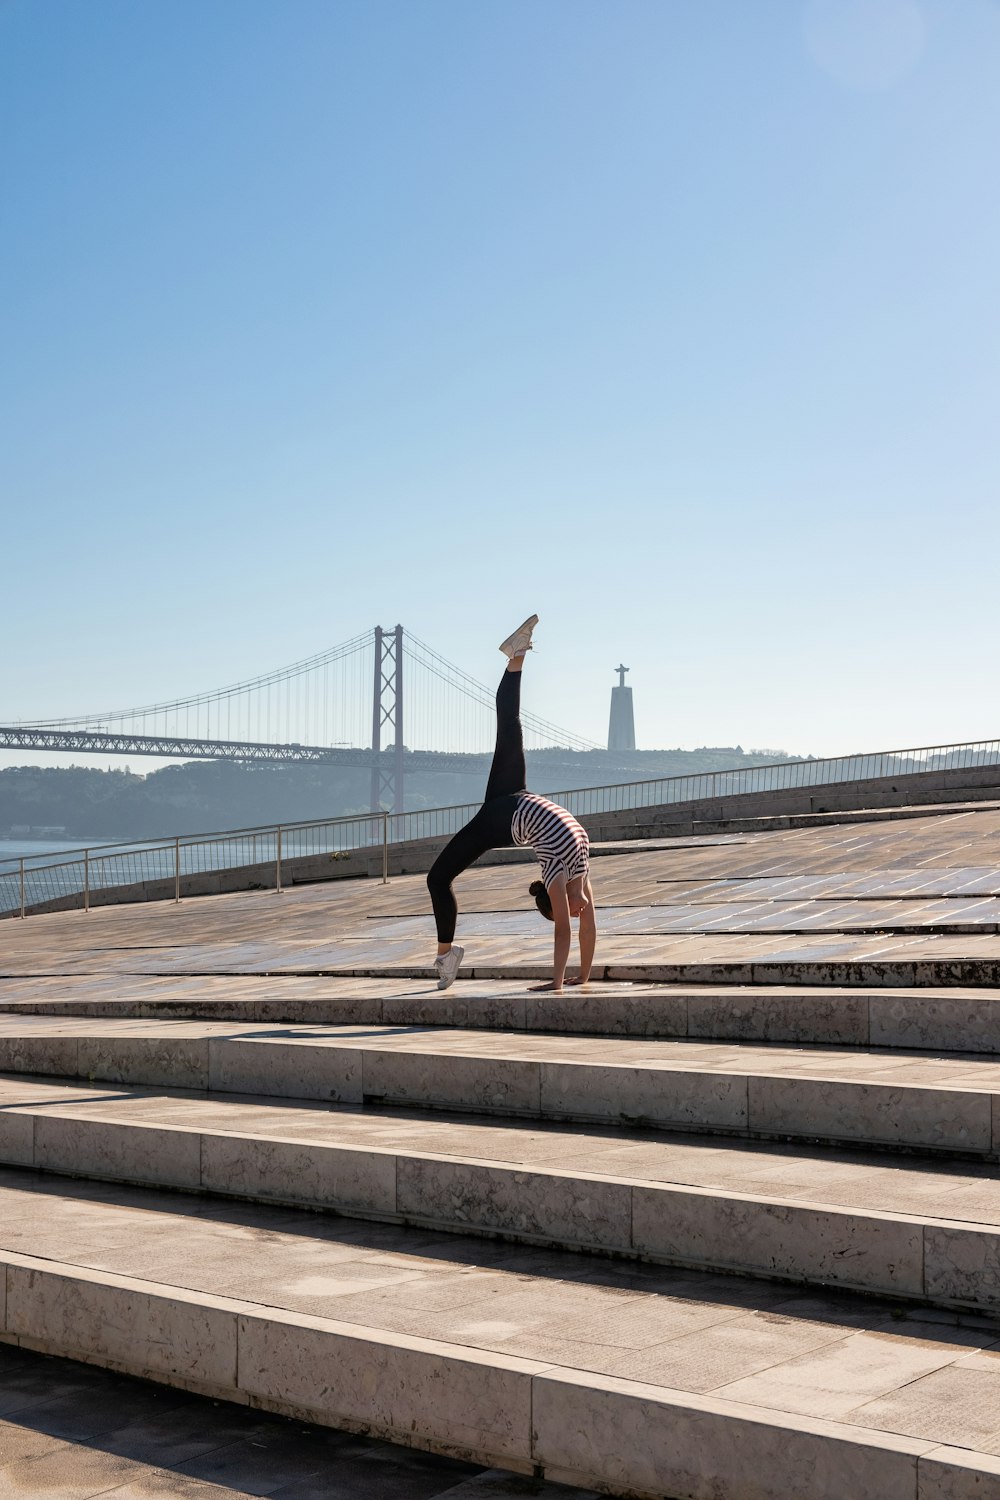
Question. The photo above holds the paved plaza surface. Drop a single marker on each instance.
(75, 1432)
(887, 895)
(726, 1224)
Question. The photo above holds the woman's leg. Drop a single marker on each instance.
(489, 829)
(508, 773)
(457, 855)
(491, 826)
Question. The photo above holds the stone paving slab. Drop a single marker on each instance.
(703, 915)
(862, 885)
(595, 1339)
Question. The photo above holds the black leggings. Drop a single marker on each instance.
(490, 828)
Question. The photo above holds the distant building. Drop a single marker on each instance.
(621, 729)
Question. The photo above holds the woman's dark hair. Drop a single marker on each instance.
(541, 895)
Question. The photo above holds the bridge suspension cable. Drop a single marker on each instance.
(538, 732)
(308, 664)
(323, 700)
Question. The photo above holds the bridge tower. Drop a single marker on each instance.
(387, 713)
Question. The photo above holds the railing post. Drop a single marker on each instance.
(21, 880)
(177, 870)
(385, 846)
(86, 879)
(277, 863)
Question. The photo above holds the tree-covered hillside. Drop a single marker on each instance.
(205, 795)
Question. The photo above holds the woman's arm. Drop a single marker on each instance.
(588, 934)
(564, 932)
(584, 903)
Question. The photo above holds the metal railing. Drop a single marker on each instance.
(30, 882)
(787, 775)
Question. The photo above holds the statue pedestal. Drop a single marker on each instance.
(621, 729)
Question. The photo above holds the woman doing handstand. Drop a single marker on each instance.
(512, 815)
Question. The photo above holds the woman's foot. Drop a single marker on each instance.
(447, 965)
(520, 642)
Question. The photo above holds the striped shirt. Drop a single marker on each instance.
(558, 840)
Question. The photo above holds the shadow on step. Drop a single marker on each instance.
(68, 1427)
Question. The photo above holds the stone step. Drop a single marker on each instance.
(628, 1380)
(872, 1221)
(863, 971)
(908, 1101)
(952, 1019)
(72, 1431)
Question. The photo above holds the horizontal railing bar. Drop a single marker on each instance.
(619, 787)
(187, 840)
(117, 863)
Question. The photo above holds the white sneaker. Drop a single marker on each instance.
(520, 642)
(448, 965)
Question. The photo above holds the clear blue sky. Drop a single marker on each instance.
(673, 320)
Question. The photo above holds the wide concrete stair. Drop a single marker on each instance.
(698, 1266)
(945, 1105)
(925, 1017)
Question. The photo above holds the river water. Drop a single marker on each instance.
(128, 864)
(36, 850)
(43, 882)
(51, 873)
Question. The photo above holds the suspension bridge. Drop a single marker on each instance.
(344, 706)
